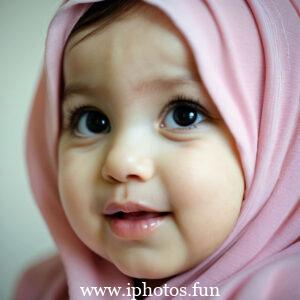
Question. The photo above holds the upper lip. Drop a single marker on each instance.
(128, 207)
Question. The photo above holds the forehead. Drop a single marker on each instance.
(143, 39)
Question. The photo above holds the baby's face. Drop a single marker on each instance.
(152, 186)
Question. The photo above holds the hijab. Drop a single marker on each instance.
(247, 54)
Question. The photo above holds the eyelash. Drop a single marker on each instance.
(73, 115)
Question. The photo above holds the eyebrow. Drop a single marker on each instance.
(156, 83)
(75, 89)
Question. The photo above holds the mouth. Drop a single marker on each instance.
(132, 221)
(137, 215)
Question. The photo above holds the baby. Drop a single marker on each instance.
(163, 150)
(149, 176)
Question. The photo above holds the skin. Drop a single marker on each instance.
(194, 173)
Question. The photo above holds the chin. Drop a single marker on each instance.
(143, 273)
(148, 271)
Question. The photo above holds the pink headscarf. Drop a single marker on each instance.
(247, 53)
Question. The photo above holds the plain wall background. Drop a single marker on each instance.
(23, 234)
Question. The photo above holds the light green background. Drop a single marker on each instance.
(23, 234)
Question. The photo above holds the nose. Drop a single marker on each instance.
(127, 160)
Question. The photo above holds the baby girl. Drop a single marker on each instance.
(162, 150)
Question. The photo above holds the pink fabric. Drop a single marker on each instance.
(247, 54)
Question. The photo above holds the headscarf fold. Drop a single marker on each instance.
(247, 55)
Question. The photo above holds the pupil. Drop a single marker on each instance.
(97, 122)
(184, 115)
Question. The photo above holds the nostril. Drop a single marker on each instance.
(111, 178)
(125, 179)
(135, 177)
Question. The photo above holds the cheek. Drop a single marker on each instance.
(74, 181)
(211, 171)
(77, 173)
(206, 191)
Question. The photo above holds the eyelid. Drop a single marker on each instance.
(186, 100)
(72, 114)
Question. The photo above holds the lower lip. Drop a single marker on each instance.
(135, 229)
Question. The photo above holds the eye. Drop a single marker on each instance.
(183, 113)
(87, 122)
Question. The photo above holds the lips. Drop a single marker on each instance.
(132, 221)
(128, 207)
(138, 215)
